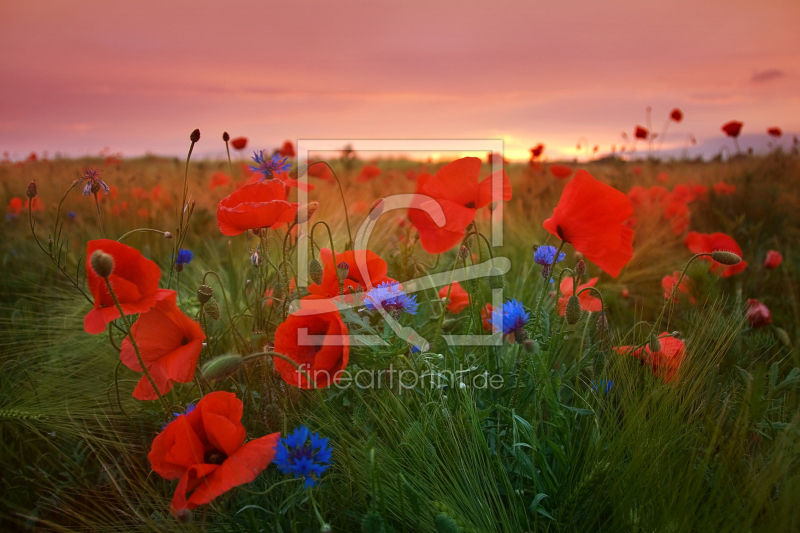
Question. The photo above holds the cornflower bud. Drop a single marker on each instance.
(195, 136)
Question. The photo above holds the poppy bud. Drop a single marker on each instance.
(211, 309)
(102, 263)
(305, 212)
(204, 293)
(463, 253)
(225, 136)
(376, 209)
(531, 346)
(32, 190)
(602, 322)
(757, 313)
(580, 268)
(676, 334)
(445, 524)
(725, 257)
(342, 269)
(626, 293)
(573, 312)
(195, 136)
(449, 324)
(223, 366)
(184, 516)
(373, 523)
(167, 235)
(315, 271)
(654, 344)
(496, 279)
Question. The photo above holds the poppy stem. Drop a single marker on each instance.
(182, 207)
(227, 306)
(131, 232)
(674, 292)
(285, 358)
(444, 305)
(230, 166)
(99, 217)
(136, 346)
(344, 204)
(316, 511)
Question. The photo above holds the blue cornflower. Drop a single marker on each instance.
(72, 214)
(511, 317)
(184, 257)
(545, 255)
(93, 185)
(269, 167)
(294, 455)
(189, 409)
(606, 384)
(391, 297)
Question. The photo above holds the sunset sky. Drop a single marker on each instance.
(140, 76)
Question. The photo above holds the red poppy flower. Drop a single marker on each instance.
(732, 128)
(360, 263)
(14, 207)
(560, 171)
(287, 150)
(775, 132)
(284, 178)
(320, 171)
(169, 342)
(591, 216)
(668, 284)
(368, 173)
(724, 188)
(134, 280)
(773, 260)
(676, 115)
(706, 243)
(589, 302)
(256, 205)
(637, 171)
(486, 314)
(458, 300)
(316, 338)
(239, 143)
(700, 192)
(662, 177)
(666, 362)
(205, 449)
(457, 190)
(626, 293)
(683, 193)
(219, 179)
(757, 314)
(640, 132)
(537, 150)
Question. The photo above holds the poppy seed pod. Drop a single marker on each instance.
(496, 279)
(195, 136)
(102, 263)
(573, 312)
(31, 190)
(654, 345)
(211, 309)
(225, 136)
(580, 268)
(725, 257)
(204, 293)
(342, 269)
(305, 212)
(223, 366)
(315, 271)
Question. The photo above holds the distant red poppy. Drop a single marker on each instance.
(637, 171)
(368, 173)
(205, 449)
(360, 263)
(112, 161)
(668, 284)
(710, 242)
(757, 314)
(458, 300)
(732, 128)
(287, 150)
(219, 179)
(676, 115)
(320, 171)
(662, 177)
(626, 293)
(641, 133)
(169, 342)
(456, 189)
(139, 193)
(666, 362)
(700, 192)
(35, 204)
(775, 132)
(316, 338)
(773, 260)
(257, 205)
(14, 207)
(134, 280)
(591, 216)
(723, 188)
(683, 193)
(560, 171)
(239, 143)
(486, 314)
(537, 150)
(142, 213)
(589, 302)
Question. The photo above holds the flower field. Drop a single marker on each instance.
(386, 345)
